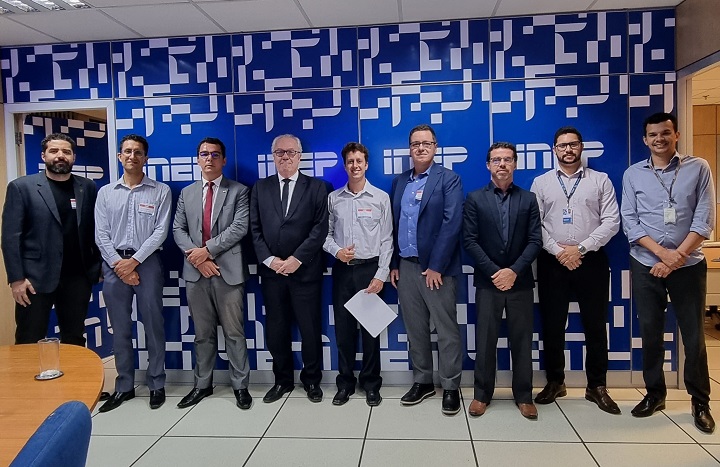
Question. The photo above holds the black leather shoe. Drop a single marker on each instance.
(243, 397)
(116, 399)
(157, 398)
(314, 393)
(342, 396)
(703, 420)
(373, 398)
(600, 396)
(104, 396)
(550, 392)
(276, 392)
(194, 396)
(418, 393)
(451, 401)
(648, 406)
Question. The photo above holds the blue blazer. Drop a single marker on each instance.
(439, 223)
(483, 238)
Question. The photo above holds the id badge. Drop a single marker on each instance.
(73, 203)
(364, 213)
(145, 208)
(669, 215)
(418, 195)
(567, 216)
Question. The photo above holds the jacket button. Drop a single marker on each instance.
(502, 252)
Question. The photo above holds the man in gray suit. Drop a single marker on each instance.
(212, 217)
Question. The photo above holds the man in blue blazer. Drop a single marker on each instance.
(502, 234)
(427, 203)
(48, 245)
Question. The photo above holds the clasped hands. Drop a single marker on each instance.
(570, 256)
(670, 260)
(200, 259)
(125, 270)
(285, 266)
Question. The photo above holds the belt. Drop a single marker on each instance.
(412, 259)
(356, 261)
(125, 254)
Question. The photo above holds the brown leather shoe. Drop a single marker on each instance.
(528, 411)
(477, 408)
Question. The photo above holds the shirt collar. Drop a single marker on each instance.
(677, 157)
(293, 178)
(426, 173)
(216, 182)
(368, 188)
(580, 170)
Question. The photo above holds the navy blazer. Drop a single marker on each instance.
(32, 236)
(300, 234)
(439, 223)
(483, 238)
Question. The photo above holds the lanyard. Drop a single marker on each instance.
(572, 192)
(669, 191)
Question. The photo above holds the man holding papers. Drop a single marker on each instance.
(360, 237)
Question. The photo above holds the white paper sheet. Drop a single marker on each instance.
(371, 312)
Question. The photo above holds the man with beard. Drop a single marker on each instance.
(579, 215)
(47, 243)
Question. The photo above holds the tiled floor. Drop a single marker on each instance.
(296, 432)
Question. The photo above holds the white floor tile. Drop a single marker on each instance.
(503, 422)
(391, 420)
(171, 390)
(257, 391)
(117, 451)
(305, 452)
(134, 417)
(220, 416)
(714, 450)
(618, 394)
(468, 394)
(191, 452)
(497, 454)
(679, 412)
(417, 453)
(713, 358)
(304, 419)
(657, 455)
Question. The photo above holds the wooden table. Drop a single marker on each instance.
(25, 402)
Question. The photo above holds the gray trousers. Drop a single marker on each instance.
(418, 305)
(212, 301)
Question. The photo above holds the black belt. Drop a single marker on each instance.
(356, 261)
(125, 254)
(412, 259)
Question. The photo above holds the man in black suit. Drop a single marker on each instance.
(47, 242)
(289, 223)
(502, 234)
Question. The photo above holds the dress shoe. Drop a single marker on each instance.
(116, 399)
(194, 396)
(477, 408)
(703, 420)
(276, 392)
(648, 406)
(528, 411)
(550, 392)
(451, 401)
(104, 396)
(342, 396)
(373, 398)
(418, 393)
(243, 397)
(600, 396)
(314, 393)
(157, 398)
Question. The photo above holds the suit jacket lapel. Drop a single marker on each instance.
(79, 199)
(298, 193)
(194, 207)
(399, 190)
(492, 207)
(219, 200)
(274, 182)
(432, 181)
(514, 208)
(47, 196)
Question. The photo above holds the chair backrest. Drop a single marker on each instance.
(61, 441)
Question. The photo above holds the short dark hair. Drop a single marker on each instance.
(354, 147)
(423, 127)
(56, 137)
(564, 131)
(660, 117)
(502, 145)
(137, 139)
(211, 140)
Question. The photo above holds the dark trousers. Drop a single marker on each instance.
(70, 298)
(686, 287)
(589, 285)
(287, 299)
(518, 306)
(347, 281)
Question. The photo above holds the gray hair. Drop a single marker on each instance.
(277, 138)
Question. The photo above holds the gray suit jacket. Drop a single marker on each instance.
(231, 214)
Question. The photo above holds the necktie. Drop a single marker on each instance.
(285, 195)
(207, 214)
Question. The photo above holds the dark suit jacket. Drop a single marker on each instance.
(301, 234)
(32, 238)
(439, 223)
(483, 238)
(229, 225)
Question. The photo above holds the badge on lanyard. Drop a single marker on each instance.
(670, 215)
(567, 216)
(418, 195)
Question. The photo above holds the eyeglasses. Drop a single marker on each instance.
(282, 152)
(502, 160)
(136, 152)
(564, 146)
(415, 145)
(210, 155)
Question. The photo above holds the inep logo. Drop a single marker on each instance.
(533, 155)
(396, 161)
(92, 172)
(176, 169)
(312, 164)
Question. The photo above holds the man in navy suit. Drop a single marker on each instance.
(289, 224)
(427, 203)
(502, 234)
(47, 243)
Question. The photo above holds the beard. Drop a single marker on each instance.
(562, 160)
(59, 167)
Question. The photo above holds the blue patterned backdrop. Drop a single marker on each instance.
(475, 81)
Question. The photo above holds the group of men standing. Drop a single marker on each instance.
(411, 237)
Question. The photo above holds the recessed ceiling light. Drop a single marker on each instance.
(77, 4)
(49, 5)
(20, 5)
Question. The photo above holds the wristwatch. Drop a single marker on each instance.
(582, 250)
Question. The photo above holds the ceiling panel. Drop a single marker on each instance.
(75, 26)
(429, 10)
(106, 3)
(153, 20)
(628, 4)
(16, 33)
(350, 12)
(256, 15)
(524, 7)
